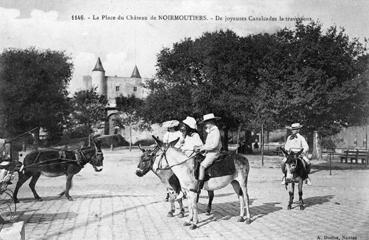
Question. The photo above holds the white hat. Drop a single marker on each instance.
(209, 116)
(295, 126)
(171, 124)
(191, 122)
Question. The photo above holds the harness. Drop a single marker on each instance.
(83, 160)
(177, 164)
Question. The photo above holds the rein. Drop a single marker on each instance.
(177, 164)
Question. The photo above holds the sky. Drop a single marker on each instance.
(122, 44)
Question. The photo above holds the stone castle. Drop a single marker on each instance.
(112, 87)
(115, 86)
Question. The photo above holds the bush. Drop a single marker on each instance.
(144, 142)
(328, 143)
(116, 140)
(78, 132)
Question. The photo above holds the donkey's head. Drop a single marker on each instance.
(93, 153)
(293, 163)
(146, 160)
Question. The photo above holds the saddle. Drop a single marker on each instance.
(71, 154)
(222, 166)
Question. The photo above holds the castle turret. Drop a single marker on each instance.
(98, 78)
(135, 73)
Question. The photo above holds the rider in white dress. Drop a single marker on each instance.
(190, 136)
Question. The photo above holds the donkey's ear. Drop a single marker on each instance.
(299, 152)
(157, 140)
(173, 143)
(139, 146)
(284, 151)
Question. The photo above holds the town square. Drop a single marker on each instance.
(184, 119)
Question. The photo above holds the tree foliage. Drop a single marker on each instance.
(88, 108)
(33, 90)
(129, 108)
(314, 77)
(305, 74)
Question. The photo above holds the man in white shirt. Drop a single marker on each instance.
(212, 147)
(295, 142)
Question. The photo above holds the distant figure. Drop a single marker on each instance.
(5, 176)
(256, 145)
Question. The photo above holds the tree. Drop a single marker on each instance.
(88, 109)
(33, 91)
(128, 108)
(315, 77)
(199, 76)
(268, 80)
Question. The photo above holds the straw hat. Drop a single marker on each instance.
(171, 124)
(295, 126)
(209, 117)
(190, 122)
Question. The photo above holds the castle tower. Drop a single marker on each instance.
(98, 78)
(135, 73)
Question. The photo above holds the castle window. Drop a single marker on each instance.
(117, 88)
(134, 89)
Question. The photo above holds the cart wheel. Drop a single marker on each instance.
(8, 207)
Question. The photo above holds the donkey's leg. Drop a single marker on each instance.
(191, 197)
(301, 202)
(32, 185)
(172, 208)
(61, 194)
(237, 188)
(246, 199)
(181, 213)
(193, 202)
(192, 205)
(291, 192)
(211, 197)
(69, 186)
(22, 178)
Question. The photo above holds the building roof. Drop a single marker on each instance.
(98, 66)
(135, 73)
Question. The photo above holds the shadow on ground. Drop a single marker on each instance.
(46, 217)
(312, 201)
(76, 197)
(225, 211)
(107, 215)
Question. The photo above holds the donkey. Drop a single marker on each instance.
(54, 163)
(295, 173)
(183, 167)
(146, 164)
